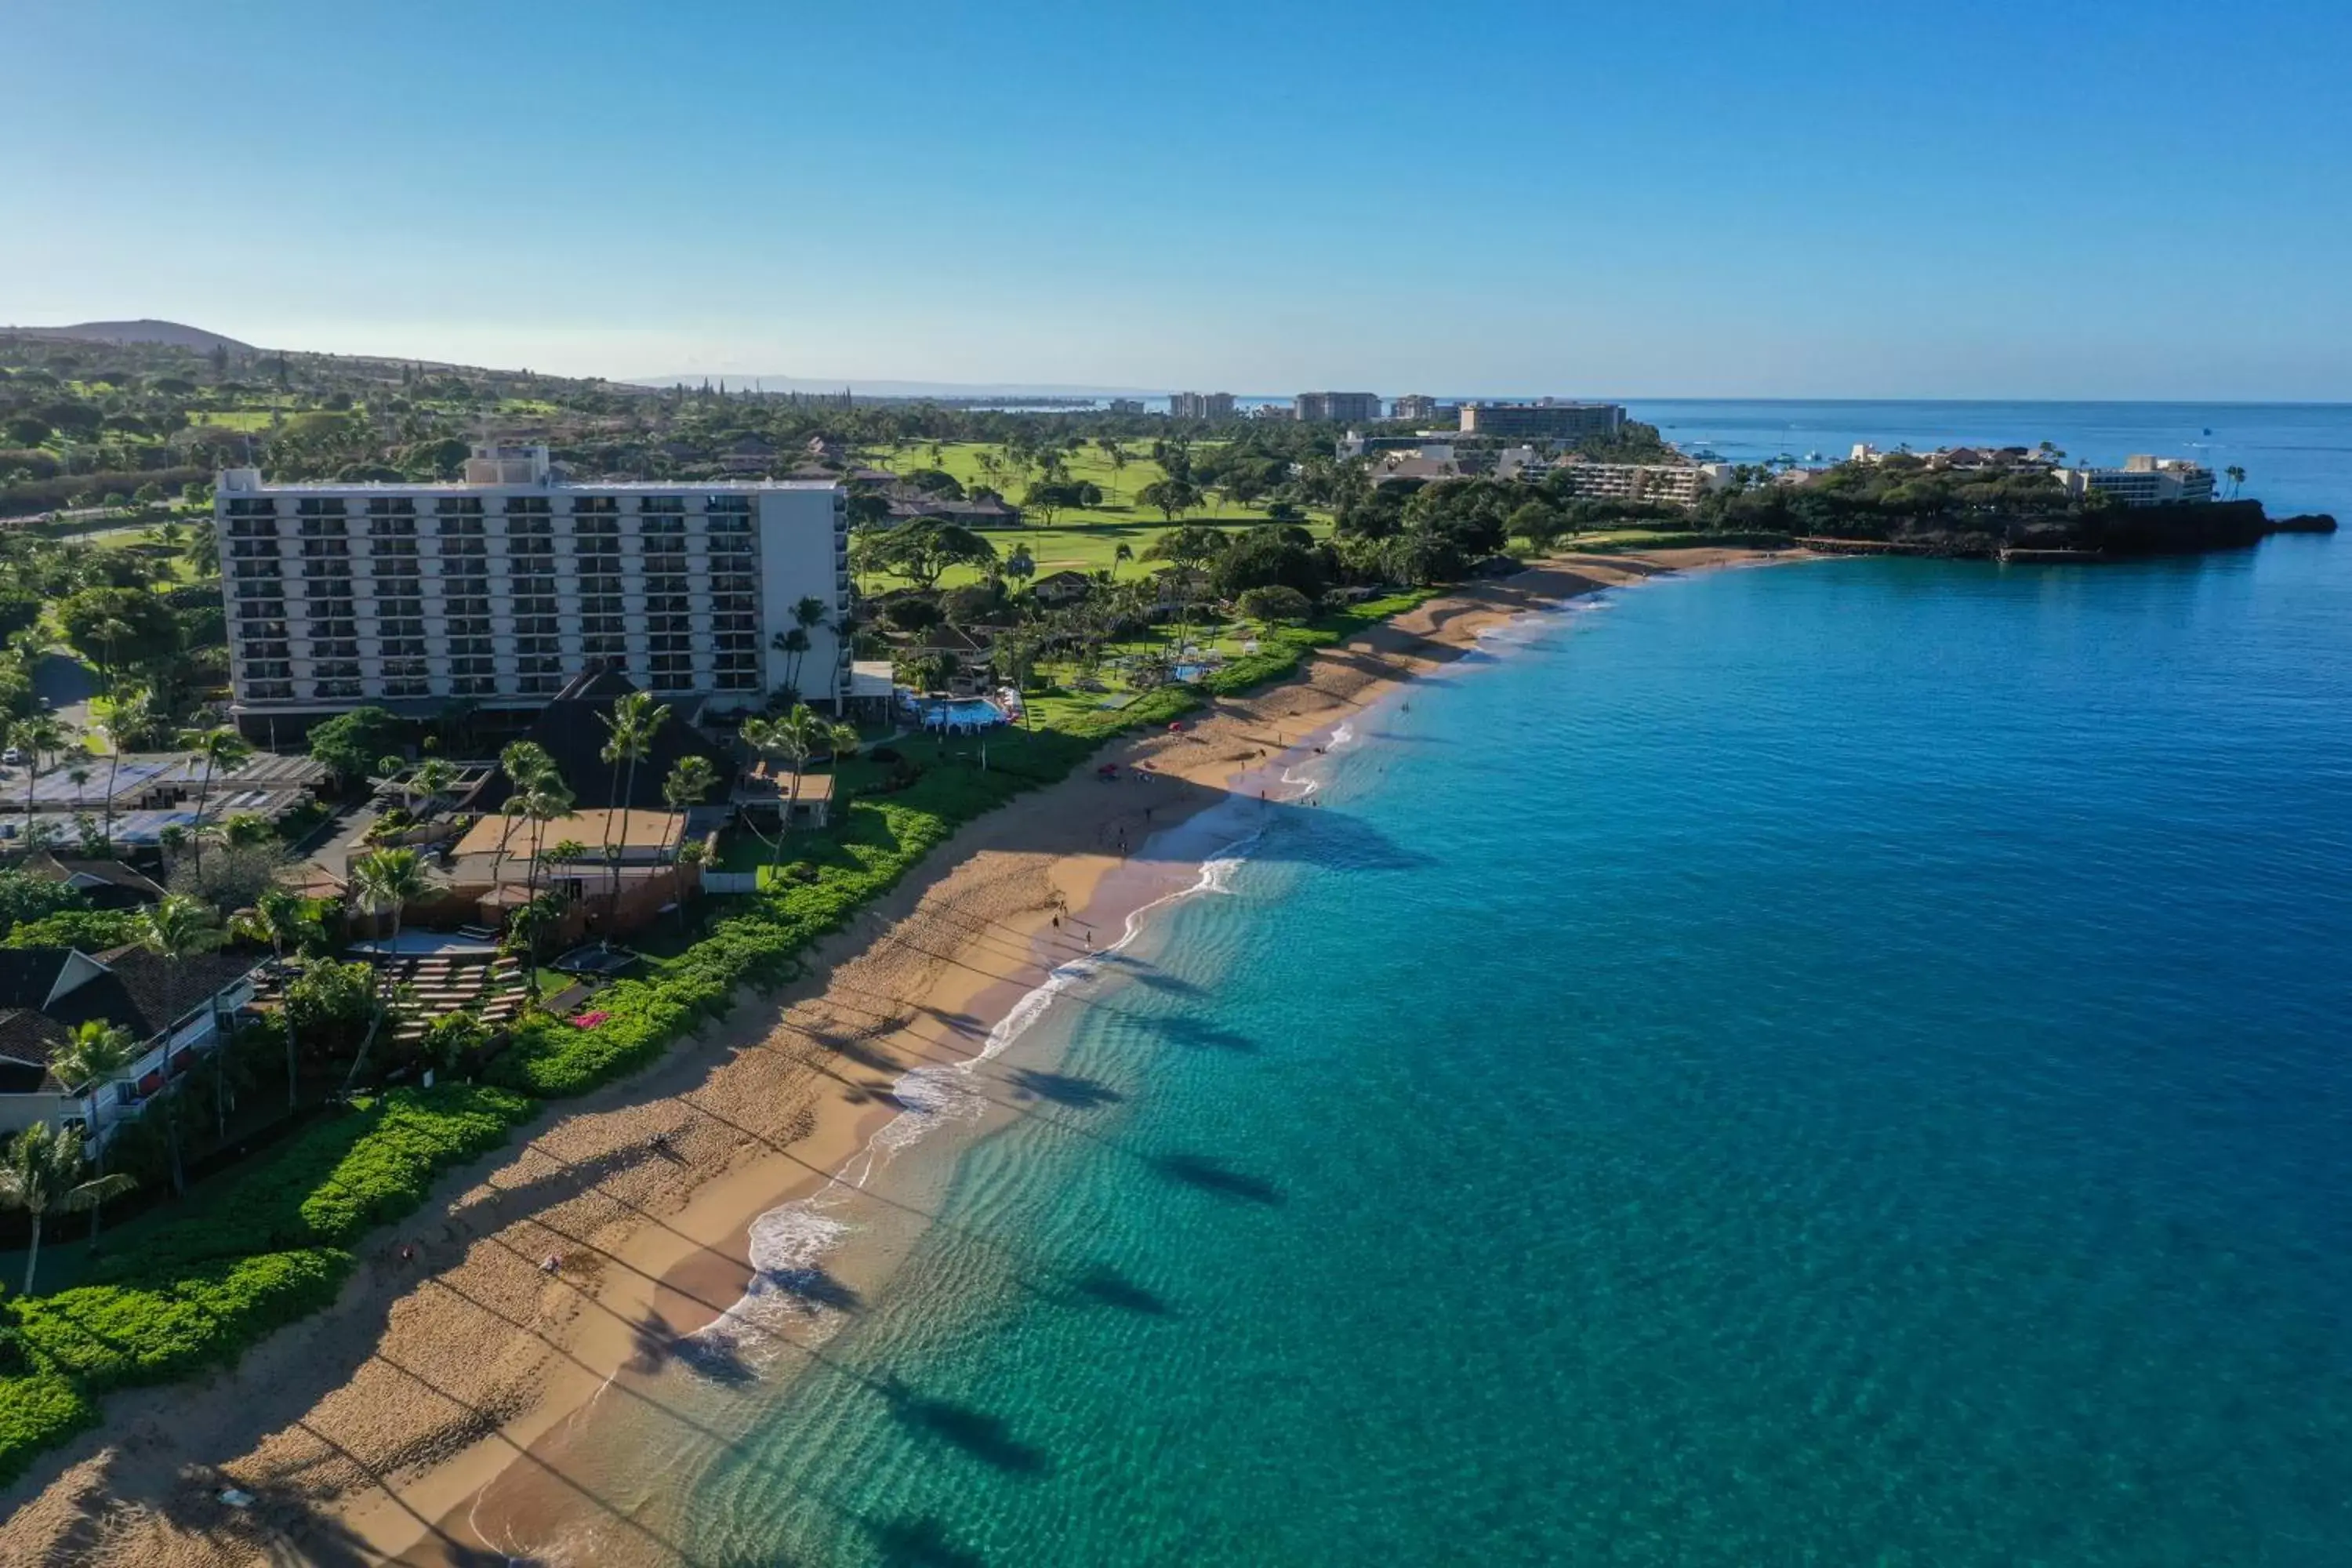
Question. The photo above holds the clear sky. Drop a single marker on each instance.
(1996, 199)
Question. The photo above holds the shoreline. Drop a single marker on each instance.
(418, 1415)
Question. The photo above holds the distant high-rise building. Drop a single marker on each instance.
(1127, 405)
(1414, 406)
(1546, 420)
(1338, 407)
(1201, 405)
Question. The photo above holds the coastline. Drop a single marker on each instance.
(380, 1429)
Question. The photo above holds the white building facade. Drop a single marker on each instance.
(2145, 480)
(496, 589)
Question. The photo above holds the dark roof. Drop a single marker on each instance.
(141, 991)
(28, 974)
(114, 874)
(570, 729)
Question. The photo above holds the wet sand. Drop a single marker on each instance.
(423, 1417)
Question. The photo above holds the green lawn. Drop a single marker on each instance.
(1080, 539)
(1090, 463)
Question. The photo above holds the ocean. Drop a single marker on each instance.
(1833, 1063)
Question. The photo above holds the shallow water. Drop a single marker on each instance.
(1823, 1064)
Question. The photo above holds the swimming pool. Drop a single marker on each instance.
(964, 713)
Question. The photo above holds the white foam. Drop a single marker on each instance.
(788, 1243)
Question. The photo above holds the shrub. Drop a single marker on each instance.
(92, 931)
(39, 1412)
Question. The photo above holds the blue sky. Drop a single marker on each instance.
(1994, 199)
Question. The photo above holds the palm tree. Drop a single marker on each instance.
(548, 799)
(690, 779)
(96, 1057)
(41, 1173)
(176, 929)
(393, 879)
(632, 725)
(524, 762)
(796, 736)
(219, 747)
(808, 617)
(1120, 556)
(2237, 477)
(430, 780)
(282, 920)
(38, 735)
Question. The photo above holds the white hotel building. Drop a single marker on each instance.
(498, 589)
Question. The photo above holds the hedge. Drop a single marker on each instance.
(193, 1286)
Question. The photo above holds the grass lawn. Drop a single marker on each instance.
(1080, 539)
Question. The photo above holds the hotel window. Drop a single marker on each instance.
(666, 603)
(463, 549)
(270, 691)
(537, 646)
(474, 685)
(669, 643)
(733, 621)
(409, 663)
(726, 545)
(253, 507)
(669, 623)
(731, 642)
(473, 665)
(603, 605)
(320, 506)
(340, 668)
(673, 671)
(599, 645)
(538, 625)
(458, 507)
(404, 647)
(335, 647)
(471, 626)
(599, 585)
(534, 604)
(334, 688)
(267, 670)
(262, 628)
(529, 506)
(337, 608)
(467, 595)
(471, 648)
(326, 547)
(530, 546)
(273, 650)
(732, 604)
(662, 506)
(401, 613)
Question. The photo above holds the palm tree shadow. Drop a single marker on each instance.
(1214, 1177)
(1105, 1286)
(984, 1437)
(1063, 1088)
(920, 1544)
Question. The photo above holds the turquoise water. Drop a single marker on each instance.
(1842, 1063)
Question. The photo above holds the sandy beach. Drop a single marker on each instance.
(380, 1430)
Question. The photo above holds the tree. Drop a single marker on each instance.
(112, 626)
(219, 749)
(796, 736)
(691, 778)
(97, 1055)
(1275, 602)
(42, 1172)
(283, 920)
(385, 880)
(1120, 556)
(1020, 565)
(2237, 477)
(923, 550)
(1538, 523)
(38, 736)
(123, 718)
(175, 930)
(808, 619)
(1170, 498)
(630, 728)
(350, 743)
